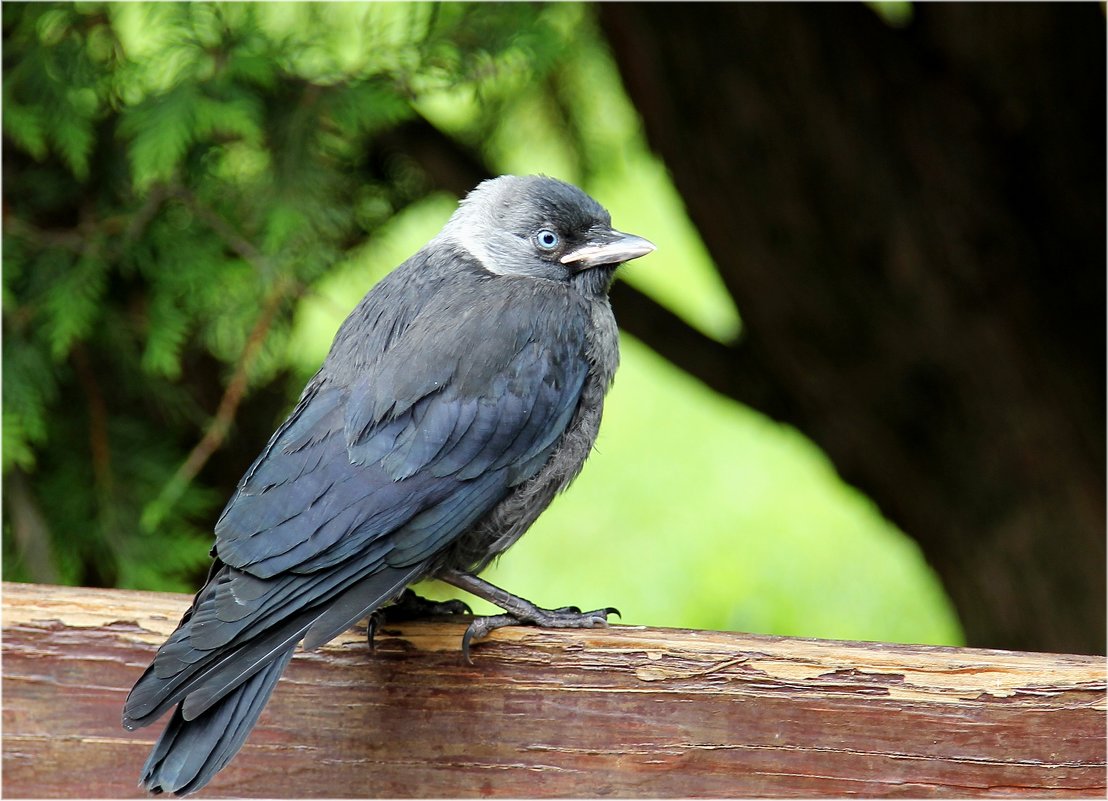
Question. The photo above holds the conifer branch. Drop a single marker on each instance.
(242, 246)
(220, 424)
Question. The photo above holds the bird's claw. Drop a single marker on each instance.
(373, 623)
(481, 626)
(576, 610)
(410, 606)
(565, 617)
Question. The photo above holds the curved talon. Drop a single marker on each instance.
(471, 631)
(481, 626)
(373, 622)
(465, 644)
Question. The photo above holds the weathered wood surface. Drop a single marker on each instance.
(620, 712)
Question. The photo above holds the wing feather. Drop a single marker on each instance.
(387, 458)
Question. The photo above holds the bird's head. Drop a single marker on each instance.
(543, 228)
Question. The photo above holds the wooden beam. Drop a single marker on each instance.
(625, 711)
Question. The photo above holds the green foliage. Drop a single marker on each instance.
(72, 305)
(197, 193)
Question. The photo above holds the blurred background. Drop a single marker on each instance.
(863, 381)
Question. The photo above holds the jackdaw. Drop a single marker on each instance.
(458, 398)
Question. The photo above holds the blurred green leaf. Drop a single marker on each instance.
(26, 127)
(75, 302)
(160, 129)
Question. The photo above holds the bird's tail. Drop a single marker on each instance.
(190, 752)
(219, 671)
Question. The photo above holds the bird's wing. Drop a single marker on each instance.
(404, 456)
(363, 483)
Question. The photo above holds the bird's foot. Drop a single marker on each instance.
(566, 617)
(519, 611)
(410, 606)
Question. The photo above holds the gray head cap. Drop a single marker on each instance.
(506, 224)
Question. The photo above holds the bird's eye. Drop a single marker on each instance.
(547, 239)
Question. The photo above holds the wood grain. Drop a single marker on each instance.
(625, 711)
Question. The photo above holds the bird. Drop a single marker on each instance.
(458, 398)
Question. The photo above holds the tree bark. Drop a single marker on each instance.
(911, 222)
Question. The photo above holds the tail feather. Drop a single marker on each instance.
(190, 752)
(220, 693)
(218, 680)
(239, 665)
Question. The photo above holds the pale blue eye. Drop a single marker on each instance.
(547, 239)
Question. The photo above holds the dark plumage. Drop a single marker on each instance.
(461, 395)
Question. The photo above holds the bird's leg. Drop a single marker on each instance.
(410, 606)
(519, 610)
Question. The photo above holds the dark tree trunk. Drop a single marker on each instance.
(912, 223)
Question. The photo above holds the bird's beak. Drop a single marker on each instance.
(607, 247)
